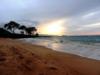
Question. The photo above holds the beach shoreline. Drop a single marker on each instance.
(22, 58)
(84, 49)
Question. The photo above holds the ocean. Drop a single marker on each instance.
(86, 46)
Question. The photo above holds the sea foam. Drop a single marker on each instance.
(88, 49)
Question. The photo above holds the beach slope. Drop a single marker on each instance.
(20, 58)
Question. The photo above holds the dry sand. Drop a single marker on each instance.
(19, 58)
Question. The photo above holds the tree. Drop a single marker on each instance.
(22, 28)
(22, 32)
(8, 27)
(30, 30)
(11, 26)
(37, 34)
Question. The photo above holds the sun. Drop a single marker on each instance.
(52, 28)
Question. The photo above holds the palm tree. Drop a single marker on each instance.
(11, 26)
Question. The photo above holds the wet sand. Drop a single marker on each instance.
(20, 58)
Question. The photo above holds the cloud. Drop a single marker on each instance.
(89, 15)
(89, 26)
(78, 12)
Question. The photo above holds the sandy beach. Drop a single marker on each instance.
(20, 58)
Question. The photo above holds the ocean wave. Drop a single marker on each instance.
(85, 49)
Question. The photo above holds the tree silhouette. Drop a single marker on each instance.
(37, 34)
(22, 28)
(8, 27)
(11, 26)
(30, 30)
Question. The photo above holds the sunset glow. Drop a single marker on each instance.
(52, 28)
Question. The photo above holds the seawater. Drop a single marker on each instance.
(86, 46)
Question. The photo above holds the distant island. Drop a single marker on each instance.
(8, 31)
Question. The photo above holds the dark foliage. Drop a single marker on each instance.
(22, 27)
(11, 26)
(30, 30)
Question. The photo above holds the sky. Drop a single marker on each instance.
(63, 17)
